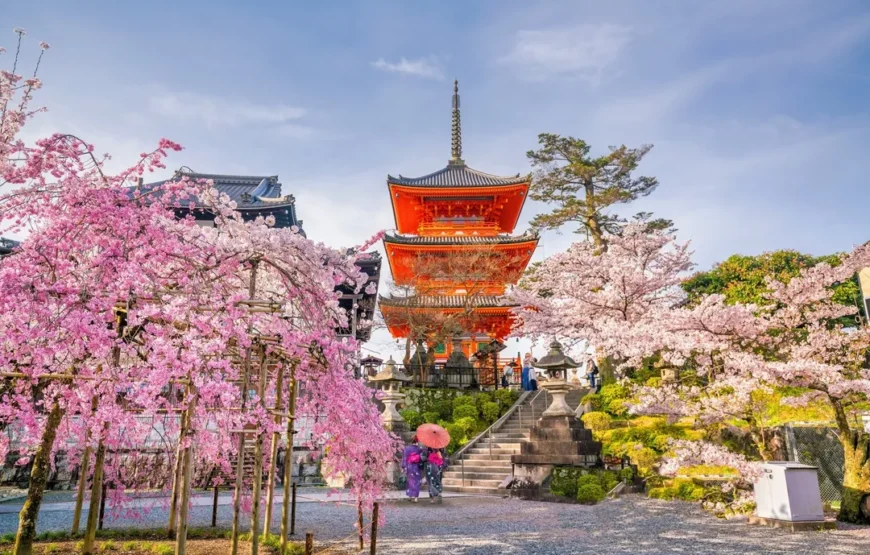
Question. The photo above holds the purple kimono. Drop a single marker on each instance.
(412, 465)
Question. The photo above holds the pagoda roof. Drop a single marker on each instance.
(460, 239)
(458, 175)
(445, 301)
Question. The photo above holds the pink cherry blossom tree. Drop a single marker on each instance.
(115, 313)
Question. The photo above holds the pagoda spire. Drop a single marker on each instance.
(456, 130)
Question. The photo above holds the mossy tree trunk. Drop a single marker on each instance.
(38, 479)
(855, 506)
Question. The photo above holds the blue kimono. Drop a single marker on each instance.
(414, 470)
(434, 470)
(525, 378)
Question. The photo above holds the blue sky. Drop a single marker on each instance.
(757, 110)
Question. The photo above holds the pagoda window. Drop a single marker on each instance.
(440, 349)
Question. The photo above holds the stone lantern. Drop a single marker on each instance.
(390, 380)
(557, 363)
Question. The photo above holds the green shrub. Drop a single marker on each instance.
(596, 421)
(590, 494)
(412, 417)
(130, 546)
(465, 411)
(444, 408)
(463, 400)
(467, 425)
(431, 417)
(481, 399)
(586, 479)
(593, 400)
(564, 481)
(457, 437)
(608, 480)
(108, 546)
(51, 548)
(626, 474)
(505, 398)
(163, 549)
(490, 412)
(7, 538)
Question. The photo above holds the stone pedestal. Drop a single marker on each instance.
(391, 418)
(555, 441)
(558, 389)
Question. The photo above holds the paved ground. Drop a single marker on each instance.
(490, 525)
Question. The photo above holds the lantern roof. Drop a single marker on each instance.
(556, 359)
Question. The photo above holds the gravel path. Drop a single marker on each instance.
(489, 525)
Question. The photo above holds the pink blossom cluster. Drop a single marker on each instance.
(122, 316)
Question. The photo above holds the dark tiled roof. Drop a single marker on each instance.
(459, 239)
(445, 301)
(254, 195)
(6, 245)
(458, 175)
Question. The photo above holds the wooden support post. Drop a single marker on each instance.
(360, 525)
(273, 454)
(293, 513)
(309, 543)
(246, 370)
(83, 483)
(178, 475)
(288, 466)
(374, 539)
(187, 479)
(94, 505)
(214, 507)
(102, 506)
(258, 462)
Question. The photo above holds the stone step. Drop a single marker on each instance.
(480, 490)
(499, 445)
(500, 470)
(474, 457)
(487, 451)
(453, 474)
(472, 483)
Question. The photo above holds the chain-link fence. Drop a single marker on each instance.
(818, 446)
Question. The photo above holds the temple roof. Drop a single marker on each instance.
(458, 175)
(460, 239)
(6, 245)
(444, 301)
(253, 194)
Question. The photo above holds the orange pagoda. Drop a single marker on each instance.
(456, 209)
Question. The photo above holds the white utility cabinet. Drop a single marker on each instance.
(789, 491)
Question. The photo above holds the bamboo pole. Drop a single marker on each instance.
(273, 455)
(288, 462)
(184, 502)
(246, 368)
(258, 462)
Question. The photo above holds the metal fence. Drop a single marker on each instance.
(448, 376)
(818, 446)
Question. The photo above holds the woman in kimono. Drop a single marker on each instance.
(435, 461)
(412, 465)
(527, 363)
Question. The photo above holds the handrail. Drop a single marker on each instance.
(494, 427)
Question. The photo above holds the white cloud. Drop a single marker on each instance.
(219, 112)
(585, 50)
(429, 67)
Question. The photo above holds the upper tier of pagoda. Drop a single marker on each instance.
(457, 199)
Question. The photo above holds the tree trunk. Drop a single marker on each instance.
(38, 479)
(855, 506)
(96, 494)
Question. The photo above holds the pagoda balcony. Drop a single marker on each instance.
(459, 228)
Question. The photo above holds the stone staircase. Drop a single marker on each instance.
(485, 468)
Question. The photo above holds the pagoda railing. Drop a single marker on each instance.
(445, 376)
(450, 228)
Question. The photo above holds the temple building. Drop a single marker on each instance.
(262, 195)
(453, 252)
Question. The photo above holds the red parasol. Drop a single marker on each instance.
(433, 435)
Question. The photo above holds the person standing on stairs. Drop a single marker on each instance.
(435, 462)
(527, 363)
(533, 375)
(412, 465)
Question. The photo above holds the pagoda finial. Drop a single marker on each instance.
(456, 131)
